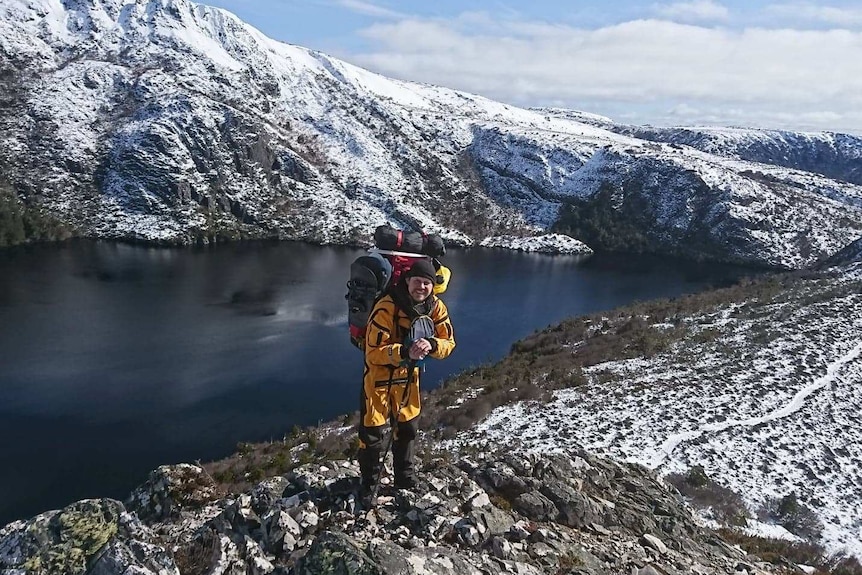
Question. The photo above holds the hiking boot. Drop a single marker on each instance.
(365, 492)
(405, 482)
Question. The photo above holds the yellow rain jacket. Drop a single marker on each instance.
(385, 362)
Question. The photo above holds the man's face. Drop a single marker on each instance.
(419, 288)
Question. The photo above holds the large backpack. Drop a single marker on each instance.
(370, 275)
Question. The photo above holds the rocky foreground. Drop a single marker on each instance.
(525, 514)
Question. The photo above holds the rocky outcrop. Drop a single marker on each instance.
(171, 489)
(573, 514)
(95, 536)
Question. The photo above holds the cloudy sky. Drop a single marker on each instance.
(743, 63)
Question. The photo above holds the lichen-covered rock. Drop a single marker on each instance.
(576, 508)
(394, 560)
(133, 556)
(280, 532)
(573, 514)
(492, 520)
(171, 488)
(91, 536)
(267, 492)
(336, 554)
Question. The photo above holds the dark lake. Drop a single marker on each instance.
(115, 359)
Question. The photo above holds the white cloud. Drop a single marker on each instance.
(771, 77)
(805, 14)
(369, 9)
(695, 11)
(800, 119)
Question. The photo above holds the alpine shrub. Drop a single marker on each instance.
(794, 516)
(703, 492)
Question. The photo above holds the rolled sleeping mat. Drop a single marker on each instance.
(388, 238)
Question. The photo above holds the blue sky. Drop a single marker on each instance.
(794, 65)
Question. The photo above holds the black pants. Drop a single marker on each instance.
(402, 451)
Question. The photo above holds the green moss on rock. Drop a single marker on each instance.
(66, 542)
(337, 554)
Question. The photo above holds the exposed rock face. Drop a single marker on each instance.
(851, 253)
(170, 489)
(166, 121)
(531, 515)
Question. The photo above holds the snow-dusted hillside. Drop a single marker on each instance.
(164, 120)
(852, 253)
(764, 393)
(837, 156)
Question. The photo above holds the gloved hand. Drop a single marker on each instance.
(419, 349)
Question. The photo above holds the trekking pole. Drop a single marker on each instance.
(393, 423)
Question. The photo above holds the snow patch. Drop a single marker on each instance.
(548, 243)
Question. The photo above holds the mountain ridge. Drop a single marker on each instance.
(177, 123)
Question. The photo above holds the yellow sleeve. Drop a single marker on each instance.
(443, 332)
(380, 347)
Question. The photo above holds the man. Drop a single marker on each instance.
(391, 379)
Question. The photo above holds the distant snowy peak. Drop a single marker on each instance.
(578, 116)
(135, 32)
(169, 121)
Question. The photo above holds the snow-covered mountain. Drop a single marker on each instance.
(168, 121)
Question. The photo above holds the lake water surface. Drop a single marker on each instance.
(115, 358)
